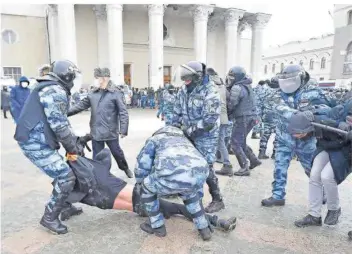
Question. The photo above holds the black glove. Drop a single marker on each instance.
(69, 141)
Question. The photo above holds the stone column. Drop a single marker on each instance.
(102, 35)
(258, 23)
(53, 32)
(156, 45)
(67, 32)
(200, 15)
(211, 51)
(241, 28)
(115, 42)
(232, 17)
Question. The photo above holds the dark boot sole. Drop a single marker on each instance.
(271, 205)
(214, 211)
(223, 173)
(233, 224)
(148, 229)
(255, 165)
(240, 174)
(64, 216)
(52, 230)
(307, 225)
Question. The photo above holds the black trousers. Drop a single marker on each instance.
(115, 149)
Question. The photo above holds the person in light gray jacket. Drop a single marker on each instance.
(109, 117)
(224, 125)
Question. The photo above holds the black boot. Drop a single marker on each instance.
(160, 232)
(309, 220)
(124, 167)
(254, 162)
(218, 156)
(262, 155)
(273, 155)
(216, 204)
(268, 202)
(225, 225)
(70, 210)
(244, 170)
(254, 136)
(226, 170)
(332, 217)
(51, 221)
(350, 235)
(205, 233)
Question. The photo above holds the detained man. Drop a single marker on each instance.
(175, 170)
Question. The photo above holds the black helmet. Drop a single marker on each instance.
(235, 74)
(292, 77)
(261, 82)
(274, 83)
(66, 71)
(211, 72)
(171, 89)
(193, 71)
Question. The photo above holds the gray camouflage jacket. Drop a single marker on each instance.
(109, 115)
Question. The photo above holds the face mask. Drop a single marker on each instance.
(24, 84)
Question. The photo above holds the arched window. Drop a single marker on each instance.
(301, 63)
(311, 64)
(323, 63)
(265, 69)
(349, 18)
(281, 67)
(273, 68)
(347, 65)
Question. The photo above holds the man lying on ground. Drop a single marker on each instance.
(96, 186)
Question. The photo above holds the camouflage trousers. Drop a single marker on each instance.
(168, 118)
(285, 150)
(191, 193)
(53, 165)
(258, 127)
(268, 129)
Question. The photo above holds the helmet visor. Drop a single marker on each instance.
(183, 75)
(289, 83)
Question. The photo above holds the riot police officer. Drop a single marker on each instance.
(241, 109)
(197, 111)
(41, 128)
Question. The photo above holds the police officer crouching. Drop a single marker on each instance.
(40, 129)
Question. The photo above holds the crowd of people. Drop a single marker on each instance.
(206, 120)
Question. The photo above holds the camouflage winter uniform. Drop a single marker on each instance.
(258, 91)
(287, 145)
(168, 106)
(169, 164)
(199, 114)
(268, 113)
(55, 103)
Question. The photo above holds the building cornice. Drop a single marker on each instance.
(297, 53)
